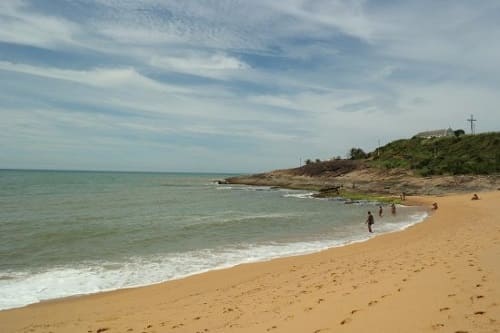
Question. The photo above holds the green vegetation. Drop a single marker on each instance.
(464, 154)
(357, 154)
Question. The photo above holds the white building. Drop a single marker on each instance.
(436, 133)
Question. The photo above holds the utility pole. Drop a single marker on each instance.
(471, 120)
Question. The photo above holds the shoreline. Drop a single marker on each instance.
(342, 288)
(229, 266)
(284, 250)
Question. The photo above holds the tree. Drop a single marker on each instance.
(356, 154)
(459, 132)
(308, 161)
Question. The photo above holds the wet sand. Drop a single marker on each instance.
(442, 275)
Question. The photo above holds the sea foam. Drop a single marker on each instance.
(22, 288)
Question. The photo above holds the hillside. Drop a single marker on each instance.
(414, 166)
(464, 155)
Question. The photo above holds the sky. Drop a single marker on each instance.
(237, 86)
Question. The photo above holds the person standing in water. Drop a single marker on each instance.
(380, 211)
(393, 209)
(370, 220)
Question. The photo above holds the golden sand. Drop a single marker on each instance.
(442, 275)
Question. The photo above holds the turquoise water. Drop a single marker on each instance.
(66, 233)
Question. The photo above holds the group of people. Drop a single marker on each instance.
(370, 220)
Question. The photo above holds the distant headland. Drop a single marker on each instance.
(424, 165)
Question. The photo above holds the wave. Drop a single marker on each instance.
(402, 225)
(235, 220)
(20, 288)
(237, 187)
(306, 195)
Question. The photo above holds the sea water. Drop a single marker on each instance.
(65, 233)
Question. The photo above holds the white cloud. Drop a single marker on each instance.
(449, 104)
(316, 103)
(347, 17)
(295, 76)
(120, 33)
(97, 77)
(212, 24)
(215, 66)
(19, 25)
(458, 33)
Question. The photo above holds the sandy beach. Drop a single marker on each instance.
(442, 275)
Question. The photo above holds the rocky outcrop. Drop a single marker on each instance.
(359, 177)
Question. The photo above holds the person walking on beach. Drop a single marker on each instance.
(380, 211)
(370, 220)
(393, 209)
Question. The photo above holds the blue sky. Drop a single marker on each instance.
(237, 86)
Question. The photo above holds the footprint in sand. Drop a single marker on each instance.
(345, 321)
(178, 325)
(437, 326)
(372, 303)
(444, 309)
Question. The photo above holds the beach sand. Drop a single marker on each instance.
(442, 275)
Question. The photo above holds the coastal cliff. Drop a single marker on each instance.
(413, 166)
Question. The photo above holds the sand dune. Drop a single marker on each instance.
(442, 275)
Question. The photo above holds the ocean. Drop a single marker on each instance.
(66, 233)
